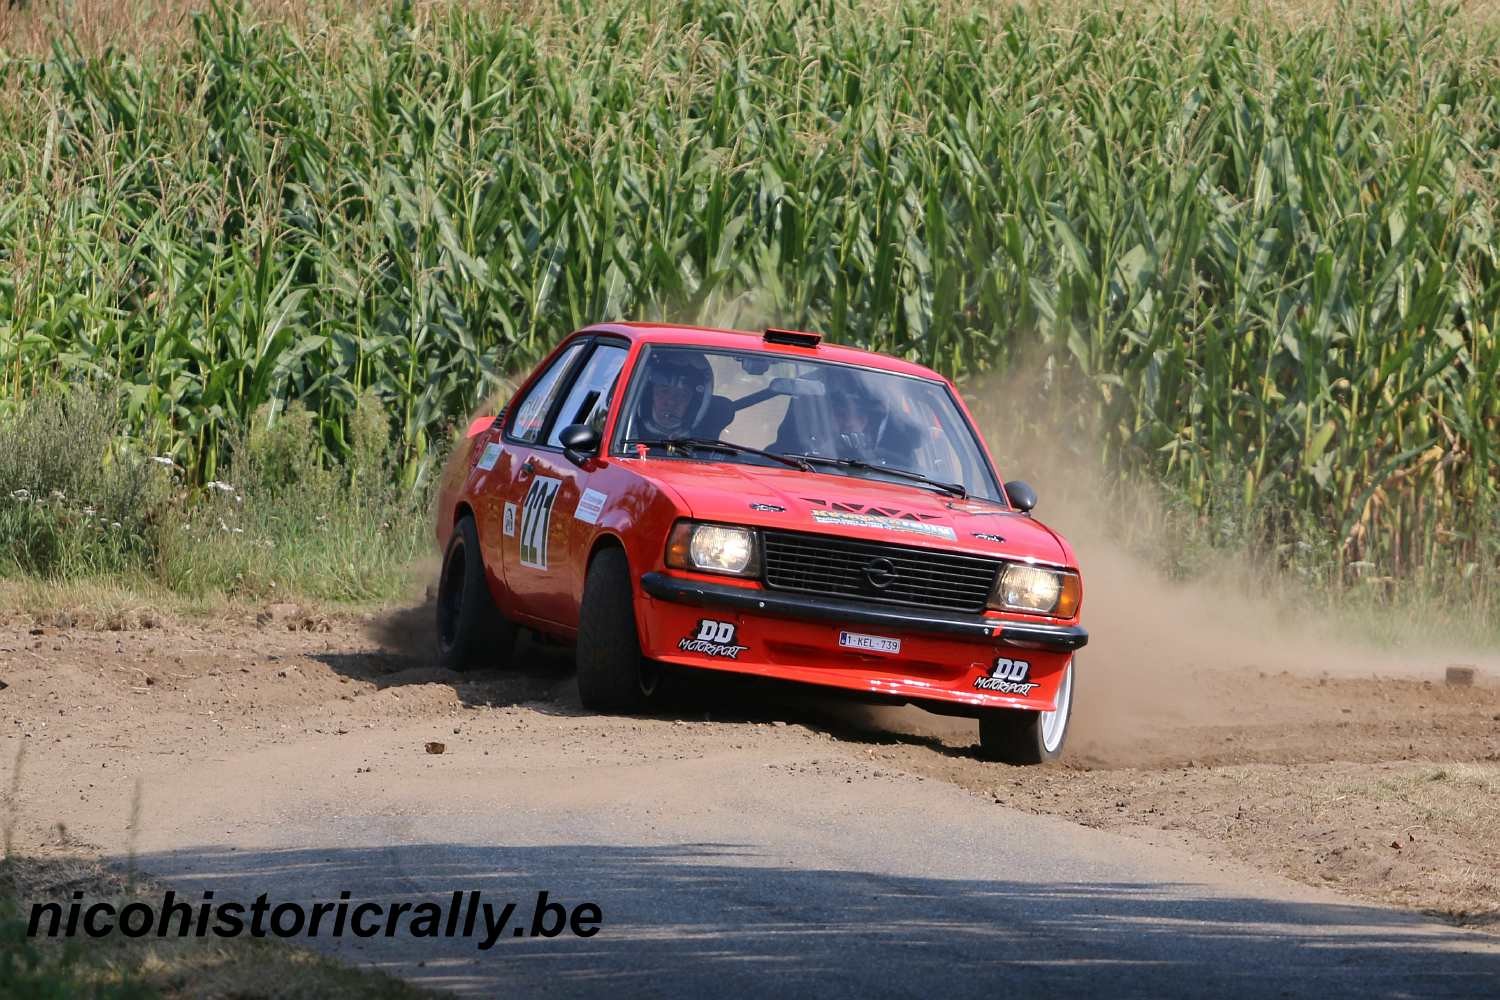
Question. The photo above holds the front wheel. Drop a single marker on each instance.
(471, 630)
(1020, 736)
(613, 676)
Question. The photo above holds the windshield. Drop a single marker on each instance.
(869, 421)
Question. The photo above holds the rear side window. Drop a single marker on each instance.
(588, 401)
(532, 409)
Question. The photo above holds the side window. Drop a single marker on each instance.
(532, 409)
(588, 401)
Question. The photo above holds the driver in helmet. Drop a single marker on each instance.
(678, 390)
(864, 426)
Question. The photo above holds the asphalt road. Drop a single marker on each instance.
(737, 862)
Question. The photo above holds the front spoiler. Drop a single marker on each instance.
(808, 607)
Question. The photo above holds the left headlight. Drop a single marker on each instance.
(1038, 590)
(713, 548)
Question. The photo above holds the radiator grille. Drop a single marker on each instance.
(873, 571)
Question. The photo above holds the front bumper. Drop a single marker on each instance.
(942, 661)
(812, 608)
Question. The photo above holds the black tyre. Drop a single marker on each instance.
(1018, 736)
(613, 676)
(471, 630)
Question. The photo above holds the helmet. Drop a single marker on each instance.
(855, 411)
(661, 411)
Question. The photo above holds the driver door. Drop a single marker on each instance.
(541, 527)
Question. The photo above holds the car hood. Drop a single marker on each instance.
(852, 507)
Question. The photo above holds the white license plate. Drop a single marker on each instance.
(870, 643)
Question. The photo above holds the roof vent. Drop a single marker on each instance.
(797, 338)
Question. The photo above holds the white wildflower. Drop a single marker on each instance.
(89, 512)
(221, 487)
(21, 495)
(114, 524)
(59, 495)
(165, 460)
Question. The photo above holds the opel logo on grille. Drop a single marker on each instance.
(880, 573)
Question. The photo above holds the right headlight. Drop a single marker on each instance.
(713, 548)
(1037, 590)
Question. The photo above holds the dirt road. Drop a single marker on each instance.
(284, 752)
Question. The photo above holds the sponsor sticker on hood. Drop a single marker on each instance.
(852, 520)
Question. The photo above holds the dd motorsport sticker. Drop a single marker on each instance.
(713, 638)
(536, 521)
(509, 526)
(847, 519)
(1008, 677)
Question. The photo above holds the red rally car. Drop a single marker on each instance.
(766, 504)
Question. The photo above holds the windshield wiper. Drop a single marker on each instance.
(953, 489)
(717, 444)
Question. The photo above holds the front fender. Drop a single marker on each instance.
(637, 516)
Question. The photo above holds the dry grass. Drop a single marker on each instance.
(1452, 797)
(114, 604)
(103, 603)
(96, 25)
(32, 27)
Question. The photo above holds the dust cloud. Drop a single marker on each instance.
(1164, 657)
(1157, 646)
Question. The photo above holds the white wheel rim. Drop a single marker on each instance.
(1055, 722)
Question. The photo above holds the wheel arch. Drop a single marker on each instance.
(447, 519)
(605, 540)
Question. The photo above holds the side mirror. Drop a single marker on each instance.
(580, 442)
(1022, 496)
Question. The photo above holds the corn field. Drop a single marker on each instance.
(1257, 259)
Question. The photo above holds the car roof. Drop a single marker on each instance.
(708, 336)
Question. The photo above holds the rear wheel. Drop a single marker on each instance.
(613, 676)
(471, 630)
(1019, 736)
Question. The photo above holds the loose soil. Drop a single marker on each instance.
(1387, 788)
